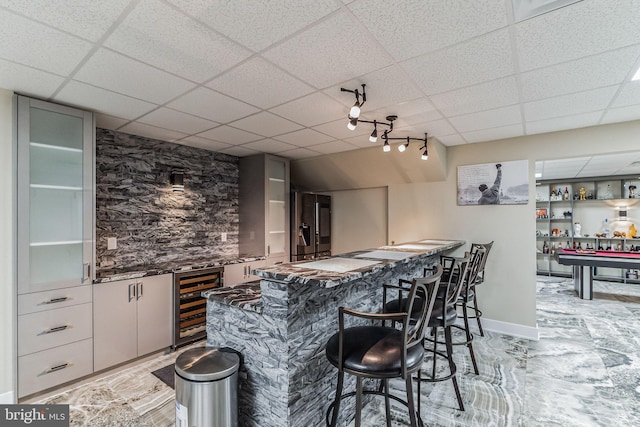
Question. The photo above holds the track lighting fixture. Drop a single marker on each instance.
(355, 110)
(354, 114)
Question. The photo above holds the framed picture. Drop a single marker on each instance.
(541, 213)
(500, 183)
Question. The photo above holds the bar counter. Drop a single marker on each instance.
(281, 324)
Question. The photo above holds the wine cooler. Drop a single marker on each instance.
(190, 305)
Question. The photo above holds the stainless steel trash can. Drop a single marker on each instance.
(206, 382)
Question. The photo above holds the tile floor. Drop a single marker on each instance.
(583, 372)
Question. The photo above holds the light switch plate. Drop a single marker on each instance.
(112, 243)
(223, 237)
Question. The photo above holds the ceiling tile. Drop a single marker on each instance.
(159, 35)
(475, 61)
(411, 112)
(102, 101)
(230, 135)
(435, 128)
(568, 105)
(312, 109)
(494, 134)
(176, 120)
(338, 129)
(239, 151)
(106, 121)
(257, 24)
(198, 142)
(112, 71)
(153, 132)
(385, 87)
(563, 123)
(414, 27)
(622, 114)
(362, 141)
(582, 29)
(329, 53)
(28, 81)
(629, 95)
(260, 83)
(299, 153)
(582, 74)
(487, 119)
(269, 145)
(266, 124)
(30, 43)
(304, 137)
(212, 105)
(451, 140)
(332, 147)
(87, 19)
(485, 96)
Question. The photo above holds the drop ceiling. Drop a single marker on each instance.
(242, 77)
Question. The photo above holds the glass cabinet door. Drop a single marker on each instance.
(55, 196)
(277, 207)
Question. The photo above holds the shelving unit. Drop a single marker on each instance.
(604, 198)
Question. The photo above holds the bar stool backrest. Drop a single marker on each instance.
(455, 269)
(425, 288)
(487, 247)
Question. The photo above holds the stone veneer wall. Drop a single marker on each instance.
(153, 225)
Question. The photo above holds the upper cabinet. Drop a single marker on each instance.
(264, 207)
(55, 196)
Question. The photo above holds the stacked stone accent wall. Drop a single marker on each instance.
(154, 225)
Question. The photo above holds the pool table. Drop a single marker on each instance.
(584, 261)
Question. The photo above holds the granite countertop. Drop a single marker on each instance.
(332, 271)
(110, 275)
(246, 296)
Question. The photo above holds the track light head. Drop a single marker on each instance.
(374, 134)
(355, 110)
(353, 122)
(425, 155)
(403, 147)
(386, 147)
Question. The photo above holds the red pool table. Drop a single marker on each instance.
(584, 261)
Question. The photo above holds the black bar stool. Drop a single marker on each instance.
(468, 299)
(382, 352)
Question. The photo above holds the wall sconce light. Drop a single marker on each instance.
(354, 114)
(177, 181)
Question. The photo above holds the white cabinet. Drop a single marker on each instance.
(241, 272)
(56, 251)
(264, 207)
(131, 318)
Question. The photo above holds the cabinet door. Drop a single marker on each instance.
(55, 196)
(234, 274)
(115, 331)
(251, 266)
(277, 200)
(155, 313)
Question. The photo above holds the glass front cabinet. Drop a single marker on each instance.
(56, 251)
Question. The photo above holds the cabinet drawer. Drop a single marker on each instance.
(49, 300)
(49, 368)
(53, 328)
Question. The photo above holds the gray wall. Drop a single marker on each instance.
(153, 225)
(7, 250)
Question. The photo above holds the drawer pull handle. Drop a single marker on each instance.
(57, 368)
(55, 300)
(56, 329)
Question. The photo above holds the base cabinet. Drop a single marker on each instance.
(241, 273)
(131, 318)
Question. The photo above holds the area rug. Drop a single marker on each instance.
(166, 375)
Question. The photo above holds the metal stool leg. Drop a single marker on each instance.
(477, 312)
(469, 338)
(410, 404)
(336, 405)
(452, 365)
(358, 401)
(387, 405)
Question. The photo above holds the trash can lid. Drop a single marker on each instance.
(207, 364)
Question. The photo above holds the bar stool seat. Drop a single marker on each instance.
(382, 352)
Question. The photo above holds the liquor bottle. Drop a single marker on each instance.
(545, 248)
(566, 193)
(553, 248)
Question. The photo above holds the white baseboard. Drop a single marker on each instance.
(7, 398)
(511, 329)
